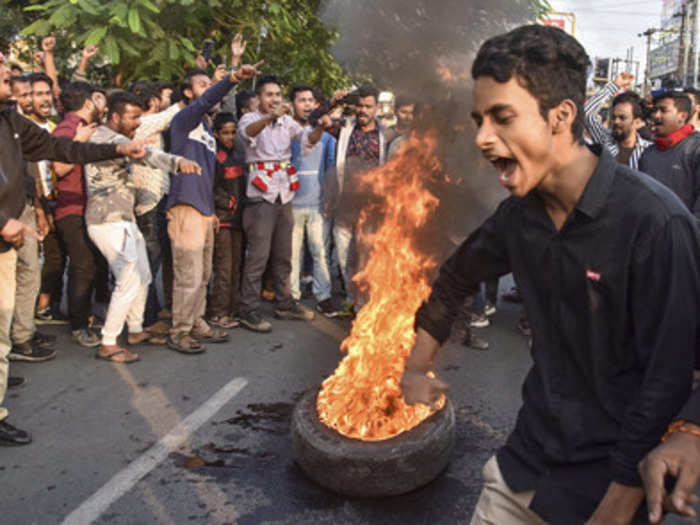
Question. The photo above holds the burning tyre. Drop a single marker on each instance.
(371, 468)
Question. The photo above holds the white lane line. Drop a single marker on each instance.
(93, 507)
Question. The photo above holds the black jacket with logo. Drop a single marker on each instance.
(20, 140)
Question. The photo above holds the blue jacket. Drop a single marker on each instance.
(191, 137)
(312, 170)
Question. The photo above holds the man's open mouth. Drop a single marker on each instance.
(505, 167)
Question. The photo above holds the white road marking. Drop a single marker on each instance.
(93, 507)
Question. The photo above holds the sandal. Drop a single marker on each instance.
(118, 355)
(149, 339)
(223, 321)
(185, 344)
(212, 336)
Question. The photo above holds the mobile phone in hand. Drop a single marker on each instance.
(207, 49)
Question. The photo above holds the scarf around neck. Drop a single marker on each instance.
(664, 143)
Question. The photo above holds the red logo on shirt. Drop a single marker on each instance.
(593, 276)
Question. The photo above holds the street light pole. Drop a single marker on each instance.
(648, 33)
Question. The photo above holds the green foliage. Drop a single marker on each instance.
(160, 38)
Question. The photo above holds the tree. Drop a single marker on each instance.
(160, 38)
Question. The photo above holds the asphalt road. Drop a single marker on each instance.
(205, 439)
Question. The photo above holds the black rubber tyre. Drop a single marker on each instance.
(371, 469)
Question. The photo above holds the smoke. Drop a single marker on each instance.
(423, 50)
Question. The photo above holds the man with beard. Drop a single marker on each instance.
(623, 142)
(28, 344)
(78, 124)
(22, 94)
(606, 259)
(362, 145)
(674, 159)
(111, 224)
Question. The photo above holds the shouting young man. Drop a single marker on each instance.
(606, 259)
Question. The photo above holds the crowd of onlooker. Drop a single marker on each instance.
(226, 196)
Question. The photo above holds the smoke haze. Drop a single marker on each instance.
(423, 50)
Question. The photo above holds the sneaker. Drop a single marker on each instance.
(50, 316)
(16, 381)
(489, 309)
(524, 327)
(43, 340)
(31, 353)
(347, 310)
(85, 337)
(327, 308)
(295, 312)
(478, 320)
(476, 343)
(11, 435)
(253, 321)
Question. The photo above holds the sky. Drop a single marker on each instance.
(607, 28)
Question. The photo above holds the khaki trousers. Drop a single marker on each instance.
(8, 266)
(28, 281)
(498, 505)
(192, 240)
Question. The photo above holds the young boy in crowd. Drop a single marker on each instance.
(229, 190)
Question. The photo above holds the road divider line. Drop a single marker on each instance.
(93, 507)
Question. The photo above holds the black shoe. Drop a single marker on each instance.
(16, 381)
(12, 436)
(50, 315)
(43, 340)
(31, 353)
(476, 343)
(327, 308)
(252, 321)
(294, 312)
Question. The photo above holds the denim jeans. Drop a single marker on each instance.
(310, 223)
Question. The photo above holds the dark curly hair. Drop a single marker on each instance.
(547, 62)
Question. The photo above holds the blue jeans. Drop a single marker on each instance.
(310, 222)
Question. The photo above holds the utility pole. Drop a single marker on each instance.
(682, 65)
(696, 64)
(648, 33)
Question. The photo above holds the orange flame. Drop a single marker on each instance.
(362, 399)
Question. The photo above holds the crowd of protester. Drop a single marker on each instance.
(220, 197)
(238, 195)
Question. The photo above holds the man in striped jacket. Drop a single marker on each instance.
(622, 141)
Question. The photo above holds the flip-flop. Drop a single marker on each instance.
(214, 336)
(129, 357)
(152, 339)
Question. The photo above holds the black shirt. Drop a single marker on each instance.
(613, 301)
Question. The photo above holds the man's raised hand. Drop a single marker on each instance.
(48, 44)
(238, 46)
(246, 72)
(624, 80)
(90, 51)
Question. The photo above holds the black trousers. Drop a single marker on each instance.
(149, 224)
(54, 266)
(228, 257)
(83, 268)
